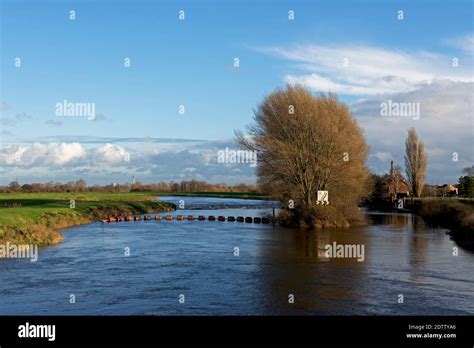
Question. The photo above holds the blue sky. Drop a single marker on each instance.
(190, 62)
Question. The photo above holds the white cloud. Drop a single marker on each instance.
(107, 163)
(445, 126)
(370, 70)
(383, 156)
(464, 43)
(111, 154)
(445, 95)
(63, 153)
(11, 154)
(42, 154)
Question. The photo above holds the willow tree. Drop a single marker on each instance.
(306, 144)
(416, 161)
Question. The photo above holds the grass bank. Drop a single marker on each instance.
(453, 214)
(36, 218)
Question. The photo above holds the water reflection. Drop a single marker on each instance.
(418, 243)
(296, 264)
(401, 256)
(399, 221)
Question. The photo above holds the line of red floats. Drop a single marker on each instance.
(248, 219)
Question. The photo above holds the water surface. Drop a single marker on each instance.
(196, 258)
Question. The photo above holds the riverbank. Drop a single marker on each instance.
(454, 214)
(37, 218)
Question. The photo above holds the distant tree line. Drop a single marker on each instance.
(81, 186)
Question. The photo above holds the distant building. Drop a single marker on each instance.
(394, 185)
(449, 190)
(394, 189)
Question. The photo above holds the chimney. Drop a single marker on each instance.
(391, 168)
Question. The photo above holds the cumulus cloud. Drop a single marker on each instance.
(12, 154)
(108, 162)
(38, 154)
(366, 70)
(111, 154)
(63, 153)
(378, 75)
(445, 126)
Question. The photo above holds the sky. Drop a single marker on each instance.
(363, 51)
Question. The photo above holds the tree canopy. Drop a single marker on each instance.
(306, 144)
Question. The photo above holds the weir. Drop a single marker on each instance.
(248, 219)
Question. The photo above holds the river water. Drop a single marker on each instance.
(198, 259)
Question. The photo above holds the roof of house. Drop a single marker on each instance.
(450, 187)
(403, 186)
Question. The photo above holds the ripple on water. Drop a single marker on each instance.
(196, 258)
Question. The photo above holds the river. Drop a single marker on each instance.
(199, 259)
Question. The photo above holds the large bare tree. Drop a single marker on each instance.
(305, 144)
(416, 161)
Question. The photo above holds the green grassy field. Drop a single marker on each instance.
(129, 196)
(83, 196)
(35, 218)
